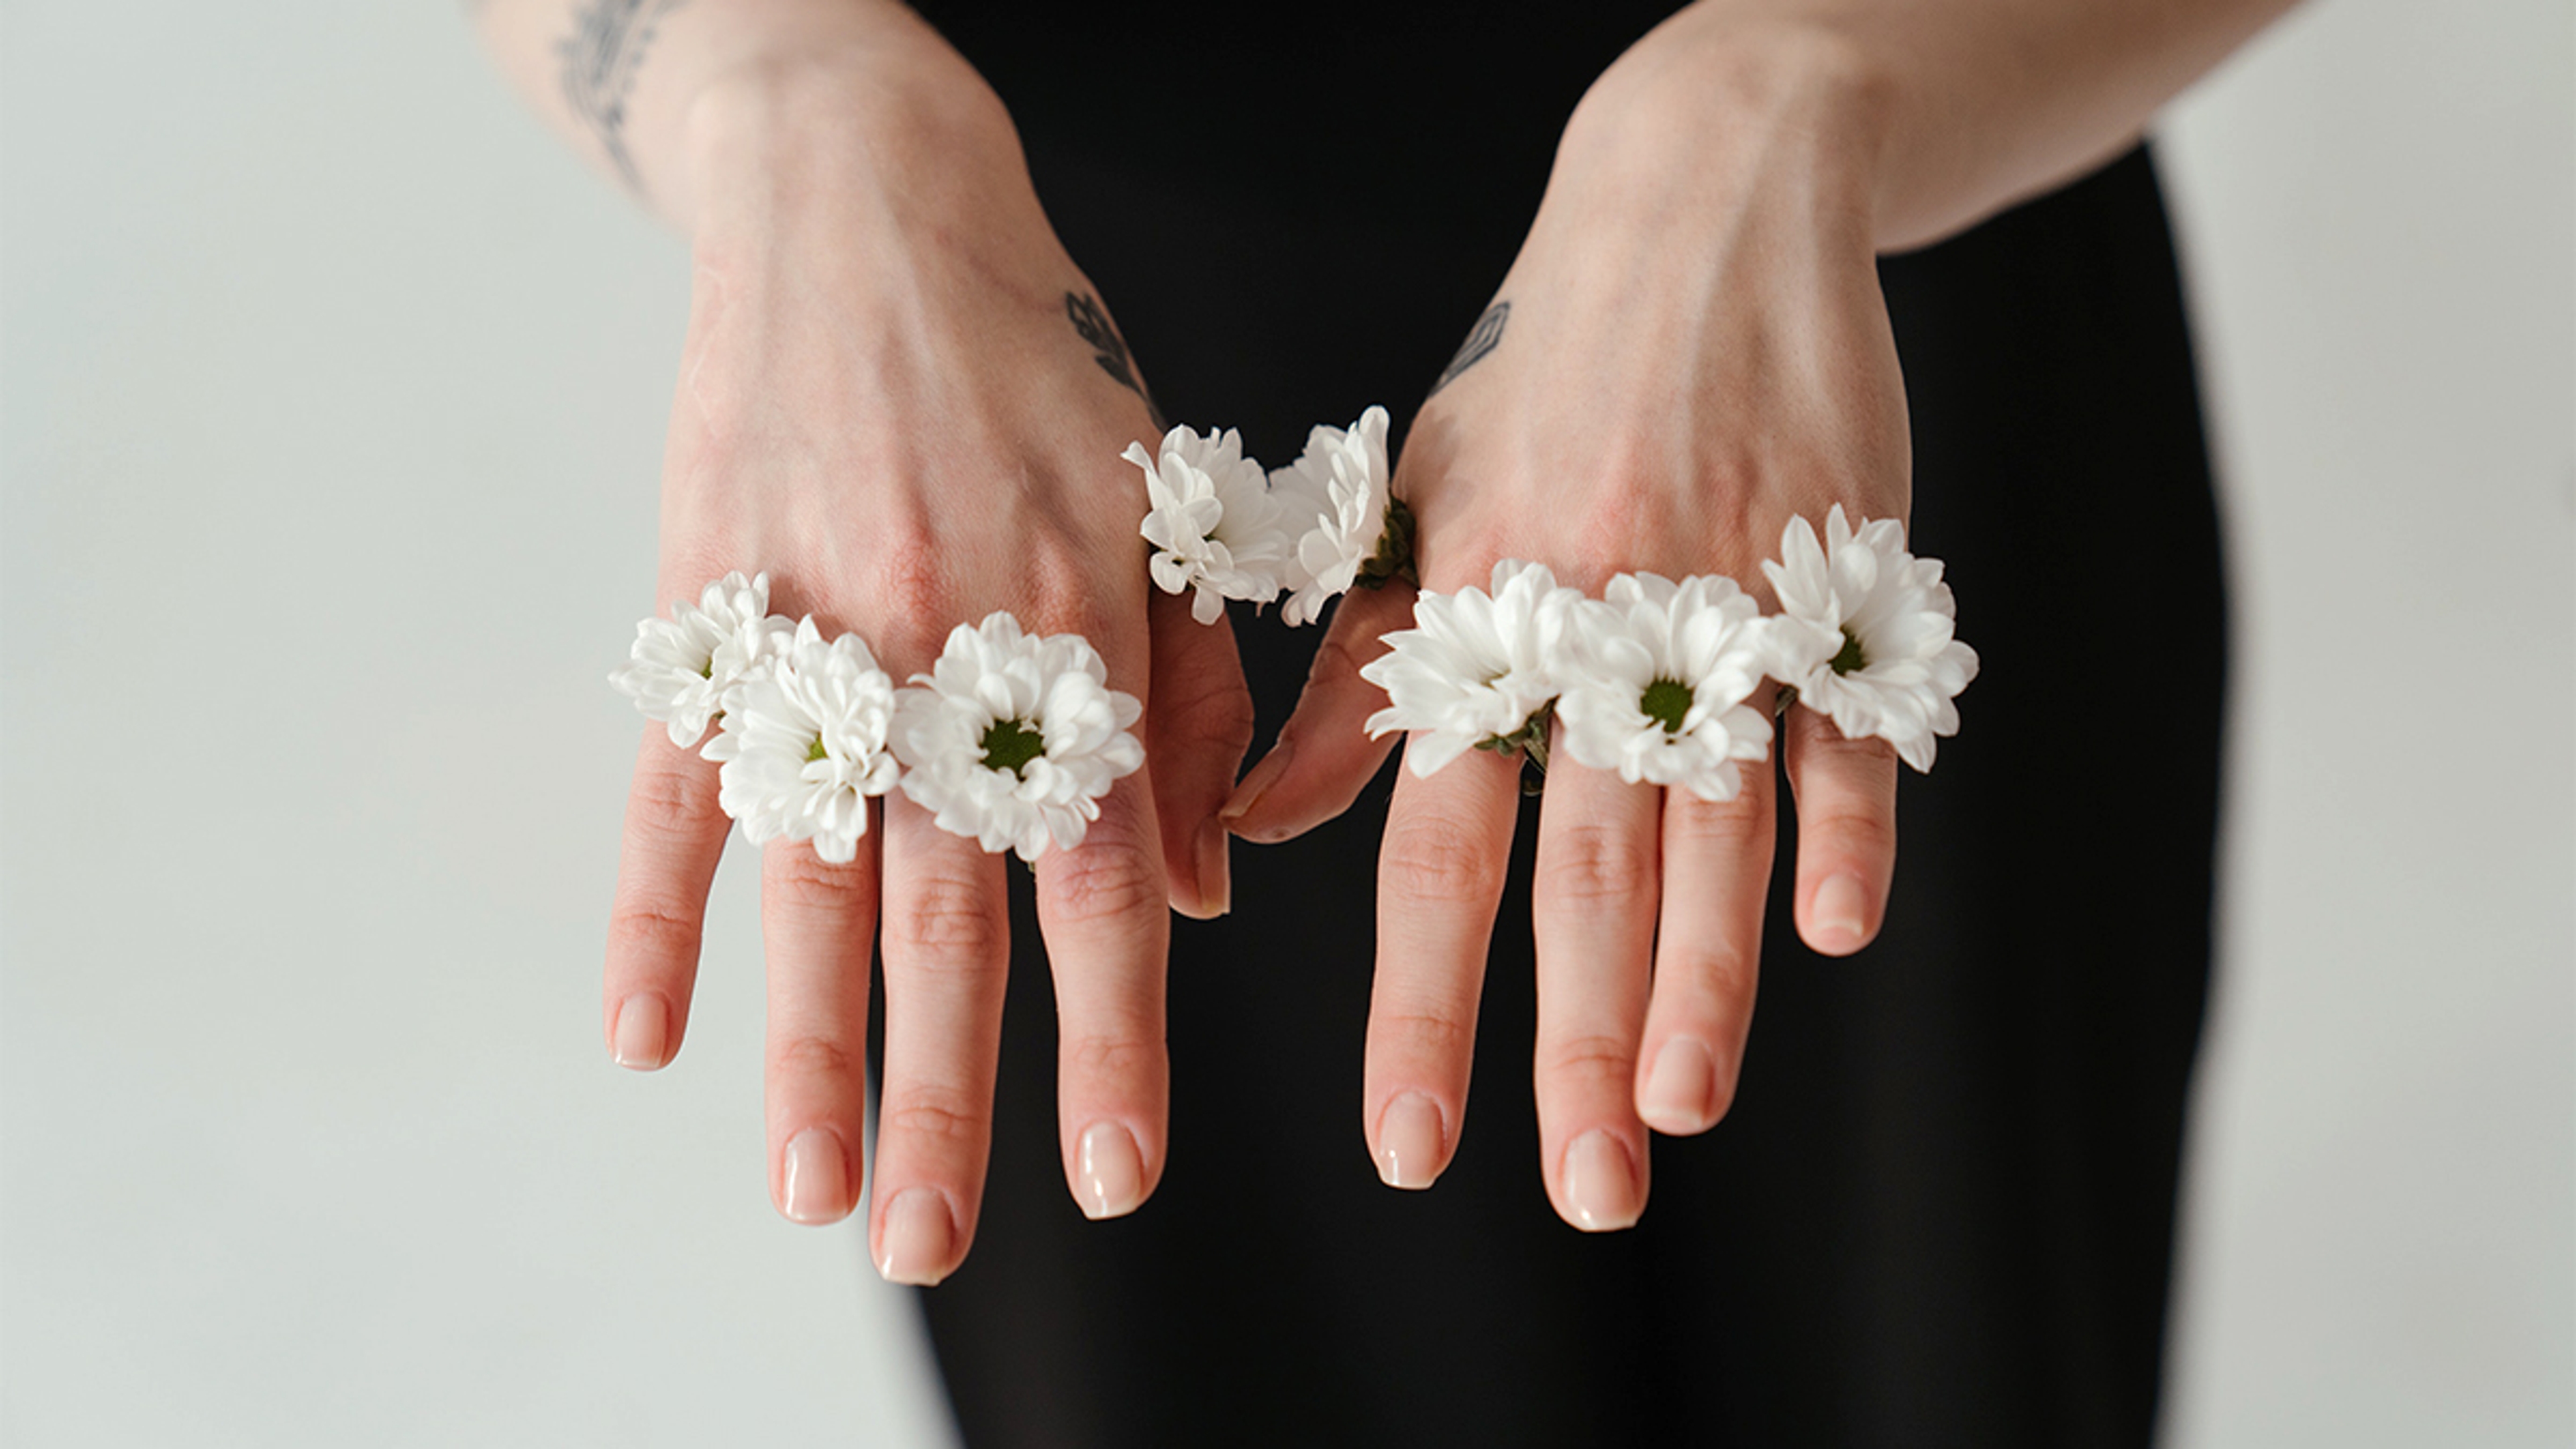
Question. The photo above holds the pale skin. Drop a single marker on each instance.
(882, 403)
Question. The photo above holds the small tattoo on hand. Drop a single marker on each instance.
(600, 58)
(1483, 338)
(1092, 326)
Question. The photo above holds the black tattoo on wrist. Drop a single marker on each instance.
(1092, 326)
(600, 59)
(1482, 338)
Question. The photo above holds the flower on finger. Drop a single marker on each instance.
(804, 744)
(1865, 634)
(1476, 670)
(1012, 738)
(1655, 682)
(680, 667)
(1340, 514)
(1213, 524)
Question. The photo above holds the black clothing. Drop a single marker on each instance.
(1941, 1210)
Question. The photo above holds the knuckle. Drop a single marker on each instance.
(1588, 1059)
(1101, 880)
(1591, 862)
(1340, 657)
(813, 1057)
(933, 1114)
(944, 916)
(1429, 1034)
(1858, 828)
(1435, 857)
(670, 802)
(1735, 822)
(1099, 1056)
(799, 881)
(911, 596)
(653, 930)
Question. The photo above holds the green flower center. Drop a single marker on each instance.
(815, 751)
(1010, 744)
(1667, 702)
(1851, 659)
(708, 669)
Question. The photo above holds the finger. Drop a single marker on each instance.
(1197, 728)
(1846, 797)
(1101, 907)
(816, 920)
(1717, 872)
(1439, 877)
(1324, 757)
(1593, 914)
(675, 834)
(947, 959)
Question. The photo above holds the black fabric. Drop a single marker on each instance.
(1941, 1211)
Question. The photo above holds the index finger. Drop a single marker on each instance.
(675, 834)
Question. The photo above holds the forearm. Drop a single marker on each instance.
(673, 98)
(1949, 110)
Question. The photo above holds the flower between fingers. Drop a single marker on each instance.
(1656, 679)
(1215, 529)
(804, 744)
(1475, 668)
(679, 668)
(1865, 634)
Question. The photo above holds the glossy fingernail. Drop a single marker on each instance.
(1600, 1185)
(1837, 910)
(918, 1237)
(1257, 784)
(1411, 1142)
(1216, 885)
(642, 1039)
(1109, 1174)
(1681, 1091)
(818, 1177)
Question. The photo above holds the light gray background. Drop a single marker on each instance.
(331, 399)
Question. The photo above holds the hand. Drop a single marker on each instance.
(899, 398)
(1695, 351)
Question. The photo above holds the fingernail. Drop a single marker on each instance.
(643, 1032)
(918, 1238)
(1838, 907)
(1258, 783)
(1600, 1186)
(1410, 1142)
(1109, 1173)
(1216, 887)
(818, 1177)
(1681, 1091)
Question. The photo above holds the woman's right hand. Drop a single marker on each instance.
(899, 398)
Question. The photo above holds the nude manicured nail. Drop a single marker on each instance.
(1411, 1142)
(1216, 888)
(1681, 1091)
(1840, 903)
(918, 1238)
(643, 1035)
(818, 1178)
(1258, 783)
(1600, 1185)
(1109, 1173)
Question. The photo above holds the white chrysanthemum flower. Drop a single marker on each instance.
(1335, 498)
(1012, 738)
(1655, 684)
(1211, 520)
(804, 744)
(682, 666)
(1865, 634)
(1475, 669)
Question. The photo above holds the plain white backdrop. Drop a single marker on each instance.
(331, 401)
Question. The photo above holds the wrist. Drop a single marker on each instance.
(892, 139)
(1711, 110)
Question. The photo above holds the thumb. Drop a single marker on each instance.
(1324, 757)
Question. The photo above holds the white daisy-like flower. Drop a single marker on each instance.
(804, 744)
(1475, 668)
(1012, 738)
(1864, 633)
(1335, 498)
(1655, 684)
(681, 666)
(1212, 521)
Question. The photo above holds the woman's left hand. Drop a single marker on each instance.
(1695, 351)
